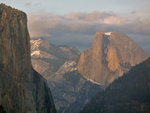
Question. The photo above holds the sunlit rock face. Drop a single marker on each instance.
(21, 88)
(110, 55)
(58, 64)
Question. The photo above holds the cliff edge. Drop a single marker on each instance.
(22, 90)
(110, 56)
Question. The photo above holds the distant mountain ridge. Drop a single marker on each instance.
(62, 67)
(110, 55)
(58, 65)
(128, 94)
(47, 58)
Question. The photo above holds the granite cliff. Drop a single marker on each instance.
(22, 89)
(110, 55)
(128, 94)
(58, 65)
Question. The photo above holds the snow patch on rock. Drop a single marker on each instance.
(108, 33)
(68, 66)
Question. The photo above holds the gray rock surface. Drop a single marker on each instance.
(72, 91)
(110, 55)
(22, 90)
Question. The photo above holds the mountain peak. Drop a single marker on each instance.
(110, 55)
(103, 33)
(40, 43)
(108, 33)
(8, 12)
(99, 33)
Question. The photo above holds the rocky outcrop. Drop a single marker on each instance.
(110, 55)
(58, 64)
(22, 90)
(128, 94)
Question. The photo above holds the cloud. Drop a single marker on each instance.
(113, 20)
(28, 4)
(93, 16)
(78, 29)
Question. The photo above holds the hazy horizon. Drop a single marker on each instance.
(75, 22)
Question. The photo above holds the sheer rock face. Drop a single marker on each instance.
(109, 57)
(58, 65)
(22, 90)
(128, 94)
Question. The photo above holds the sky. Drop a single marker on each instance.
(75, 22)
